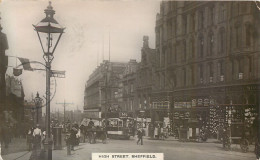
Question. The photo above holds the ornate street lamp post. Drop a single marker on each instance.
(38, 102)
(49, 33)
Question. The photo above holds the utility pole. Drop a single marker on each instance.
(64, 107)
(106, 83)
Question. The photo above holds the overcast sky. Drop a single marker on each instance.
(87, 24)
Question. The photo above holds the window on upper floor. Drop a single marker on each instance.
(201, 48)
(221, 71)
(241, 65)
(237, 36)
(184, 51)
(184, 23)
(248, 34)
(201, 19)
(132, 88)
(169, 29)
(192, 75)
(201, 73)
(174, 80)
(184, 77)
(175, 54)
(192, 22)
(221, 41)
(174, 27)
(210, 72)
(233, 68)
(221, 68)
(211, 15)
(250, 65)
(235, 9)
(192, 48)
(211, 44)
(222, 12)
(169, 55)
(163, 58)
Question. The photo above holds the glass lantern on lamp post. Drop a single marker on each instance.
(49, 33)
(38, 102)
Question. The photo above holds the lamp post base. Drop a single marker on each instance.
(48, 149)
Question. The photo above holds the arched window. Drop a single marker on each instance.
(201, 48)
(240, 68)
(211, 15)
(222, 12)
(184, 22)
(163, 58)
(210, 67)
(169, 29)
(192, 21)
(192, 75)
(192, 48)
(221, 70)
(184, 77)
(175, 54)
(184, 51)
(210, 44)
(248, 34)
(174, 80)
(237, 36)
(169, 55)
(201, 73)
(201, 19)
(232, 68)
(222, 41)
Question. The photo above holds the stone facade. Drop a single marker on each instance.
(128, 87)
(208, 51)
(102, 86)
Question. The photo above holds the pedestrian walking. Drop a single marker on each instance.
(140, 136)
(73, 137)
(30, 138)
(36, 152)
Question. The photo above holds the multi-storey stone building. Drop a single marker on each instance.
(207, 55)
(101, 90)
(128, 88)
(145, 75)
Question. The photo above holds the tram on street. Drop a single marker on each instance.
(121, 127)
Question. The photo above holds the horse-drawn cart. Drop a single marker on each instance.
(95, 133)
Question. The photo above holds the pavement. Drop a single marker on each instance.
(16, 145)
(171, 147)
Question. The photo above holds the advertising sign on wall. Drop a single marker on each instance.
(95, 114)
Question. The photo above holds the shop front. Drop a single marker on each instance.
(160, 119)
(190, 118)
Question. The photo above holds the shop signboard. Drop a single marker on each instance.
(123, 114)
(161, 105)
(92, 114)
(183, 104)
